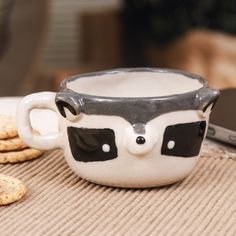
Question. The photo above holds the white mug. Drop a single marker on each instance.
(140, 127)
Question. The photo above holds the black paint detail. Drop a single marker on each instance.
(187, 137)
(61, 104)
(86, 144)
(140, 140)
(213, 102)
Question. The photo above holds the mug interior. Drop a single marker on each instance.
(134, 84)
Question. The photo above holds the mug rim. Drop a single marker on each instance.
(64, 83)
(129, 107)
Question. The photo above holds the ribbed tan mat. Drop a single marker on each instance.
(60, 203)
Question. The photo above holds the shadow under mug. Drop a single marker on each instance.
(139, 127)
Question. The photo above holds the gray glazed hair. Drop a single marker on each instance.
(136, 110)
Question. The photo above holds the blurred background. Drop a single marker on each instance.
(42, 42)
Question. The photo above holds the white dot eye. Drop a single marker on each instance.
(70, 116)
(106, 148)
(171, 144)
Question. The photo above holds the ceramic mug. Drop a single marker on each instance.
(140, 127)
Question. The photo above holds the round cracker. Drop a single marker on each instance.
(7, 127)
(19, 156)
(12, 144)
(11, 189)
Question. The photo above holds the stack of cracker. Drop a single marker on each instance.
(12, 150)
(12, 147)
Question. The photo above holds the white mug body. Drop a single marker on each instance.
(128, 169)
(134, 141)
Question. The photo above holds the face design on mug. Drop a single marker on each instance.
(179, 140)
(128, 127)
(99, 144)
(134, 139)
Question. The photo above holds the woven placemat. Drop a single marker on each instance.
(60, 203)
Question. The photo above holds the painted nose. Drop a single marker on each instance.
(139, 144)
(140, 140)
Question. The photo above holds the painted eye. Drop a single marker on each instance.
(183, 140)
(89, 145)
(171, 144)
(106, 148)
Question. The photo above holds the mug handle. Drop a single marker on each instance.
(43, 100)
